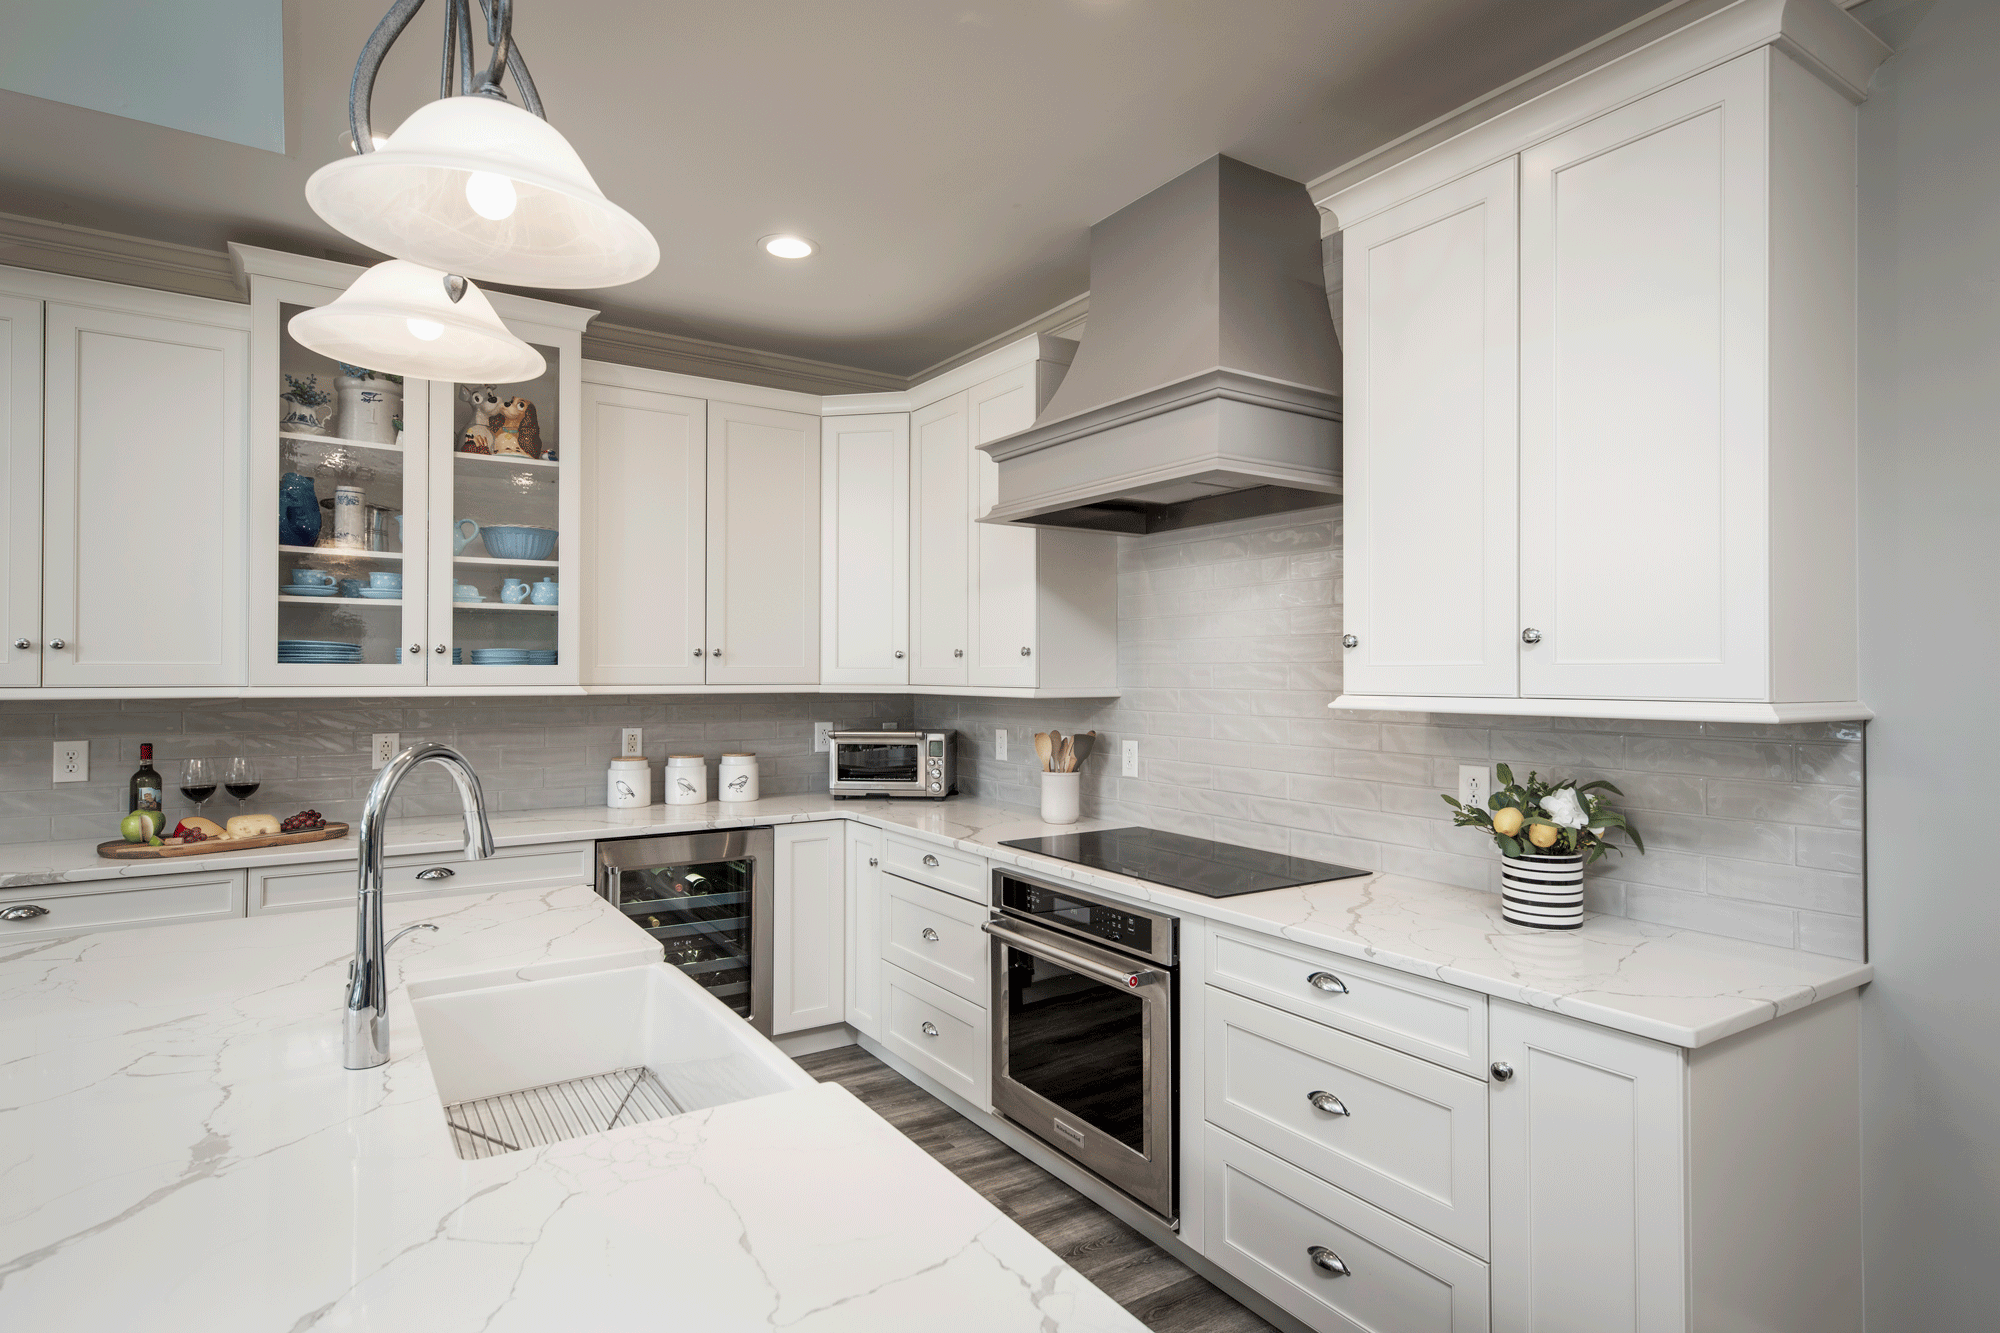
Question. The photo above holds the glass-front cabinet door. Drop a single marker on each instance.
(505, 513)
(338, 505)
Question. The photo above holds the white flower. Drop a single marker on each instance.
(1562, 806)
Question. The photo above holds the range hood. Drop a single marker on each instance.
(1207, 385)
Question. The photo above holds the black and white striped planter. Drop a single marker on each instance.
(1542, 891)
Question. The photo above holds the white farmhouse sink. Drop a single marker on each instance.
(571, 1051)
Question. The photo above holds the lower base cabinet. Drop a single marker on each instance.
(864, 929)
(157, 900)
(428, 875)
(943, 1035)
(808, 926)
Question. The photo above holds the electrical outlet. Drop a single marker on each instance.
(1128, 753)
(1475, 784)
(631, 744)
(72, 761)
(1000, 743)
(822, 737)
(384, 748)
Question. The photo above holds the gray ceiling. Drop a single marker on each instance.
(948, 158)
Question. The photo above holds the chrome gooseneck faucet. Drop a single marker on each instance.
(365, 1040)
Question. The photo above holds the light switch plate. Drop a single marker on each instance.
(72, 761)
(1128, 752)
(384, 748)
(1475, 784)
(1000, 743)
(822, 737)
(631, 743)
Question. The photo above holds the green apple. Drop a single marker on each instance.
(141, 825)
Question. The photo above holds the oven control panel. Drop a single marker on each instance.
(1126, 928)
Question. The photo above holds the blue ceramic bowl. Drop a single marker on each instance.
(513, 543)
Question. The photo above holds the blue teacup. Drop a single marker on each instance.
(312, 578)
(350, 587)
(385, 579)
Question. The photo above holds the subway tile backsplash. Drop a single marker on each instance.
(1229, 652)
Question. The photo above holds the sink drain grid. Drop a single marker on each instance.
(554, 1112)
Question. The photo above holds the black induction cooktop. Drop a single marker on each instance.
(1212, 869)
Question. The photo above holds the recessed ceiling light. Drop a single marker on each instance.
(787, 246)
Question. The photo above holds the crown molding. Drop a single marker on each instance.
(701, 359)
(1060, 322)
(84, 252)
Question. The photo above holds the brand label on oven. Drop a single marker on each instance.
(1070, 1132)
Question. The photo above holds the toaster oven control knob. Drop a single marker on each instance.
(935, 786)
(1327, 982)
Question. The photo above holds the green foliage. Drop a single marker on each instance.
(305, 391)
(1580, 817)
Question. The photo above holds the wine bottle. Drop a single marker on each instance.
(146, 784)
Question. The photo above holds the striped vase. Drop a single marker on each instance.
(1542, 891)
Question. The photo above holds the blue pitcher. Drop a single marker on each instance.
(298, 510)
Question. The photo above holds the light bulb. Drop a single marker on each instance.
(427, 329)
(787, 247)
(491, 195)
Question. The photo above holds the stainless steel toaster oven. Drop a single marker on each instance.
(893, 763)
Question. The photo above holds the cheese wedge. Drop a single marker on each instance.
(253, 826)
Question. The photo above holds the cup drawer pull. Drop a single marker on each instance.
(1327, 982)
(1326, 1261)
(1327, 1102)
(930, 1029)
(930, 935)
(930, 861)
(436, 872)
(23, 912)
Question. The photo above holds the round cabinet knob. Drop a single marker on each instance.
(57, 644)
(930, 1028)
(715, 652)
(1027, 652)
(1502, 1071)
(874, 860)
(24, 912)
(416, 648)
(930, 860)
(1531, 636)
(1327, 982)
(899, 654)
(1350, 640)
(697, 652)
(1327, 1102)
(930, 935)
(22, 643)
(439, 650)
(958, 652)
(1326, 1261)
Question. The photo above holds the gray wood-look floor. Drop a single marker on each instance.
(1161, 1293)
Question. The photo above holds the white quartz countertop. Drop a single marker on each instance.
(181, 1150)
(1677, 986)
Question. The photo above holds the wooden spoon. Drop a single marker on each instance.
(1069, 754)
(1084, 745)
(1043, 748)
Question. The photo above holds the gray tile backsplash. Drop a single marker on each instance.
(1229, 652)
(532, 753)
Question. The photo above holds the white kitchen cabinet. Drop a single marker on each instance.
(146, 900)
(809, 930)
(864, 928)
(941, 458)
(646, 544)
(763, 546)
(865, 520)
(20, 491)
(1686, 456)
(143, 536)
(1430, 449)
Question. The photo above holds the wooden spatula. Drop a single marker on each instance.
(1043, 748)
(1067, 764)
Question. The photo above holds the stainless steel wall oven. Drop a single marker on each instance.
(1084, 994)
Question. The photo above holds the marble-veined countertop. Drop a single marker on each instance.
(1673, 985)
(181, 1150)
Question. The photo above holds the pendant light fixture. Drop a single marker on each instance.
(409, 320)
(471, 184)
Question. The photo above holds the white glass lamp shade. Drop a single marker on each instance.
(398, 318)
(477, 186)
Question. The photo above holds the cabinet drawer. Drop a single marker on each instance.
(1414, 1014)
(291, 890)
(1266, 1217)
(940, 867)
(935, 936)
(1412, 1140)
(155, 901)
(939, 1033)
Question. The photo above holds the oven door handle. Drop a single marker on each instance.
(1129, 980)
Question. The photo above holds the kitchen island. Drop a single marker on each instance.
(181, 1149)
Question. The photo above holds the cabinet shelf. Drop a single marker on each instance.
(345, 552)
(340, 441)
(507, 460)
(495, 560)
(341, 601)
(504, 606)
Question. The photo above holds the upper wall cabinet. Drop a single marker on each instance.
(1673, 532)
(143, 537)
(941, 459)
(763, 546)
(20, 491)
(865, 522)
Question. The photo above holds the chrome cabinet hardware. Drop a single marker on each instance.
(1531, 636)
(874, 860)
(930, 935)
(930, 860)
(23, 912)
(715, 652)
(22, 643)
(1350, 640)
(958, 652)
(1326, 1261)
(437, 872)
(1027, 652)
(930, 1028)
(439, 650)
(57, 644)
(1130, 980)
(899, 654)
(1502, 1071)
(697, 652)
(1327, 982)
(1327, 1102)
(416, 648)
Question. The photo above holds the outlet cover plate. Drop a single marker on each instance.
(822, 733)
(72, 761)
(1128, 752)
(1475, 784)
(1000, 743)
(631, 743)
(383, 748)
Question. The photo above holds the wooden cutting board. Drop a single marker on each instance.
(140, 851)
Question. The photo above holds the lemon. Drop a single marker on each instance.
(1543, 835)
(1507, 821)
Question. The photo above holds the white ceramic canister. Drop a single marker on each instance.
(350, 517)
(369, 408)
(687, 779)
(736, 779)
(1061, 797)
(628, 783)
